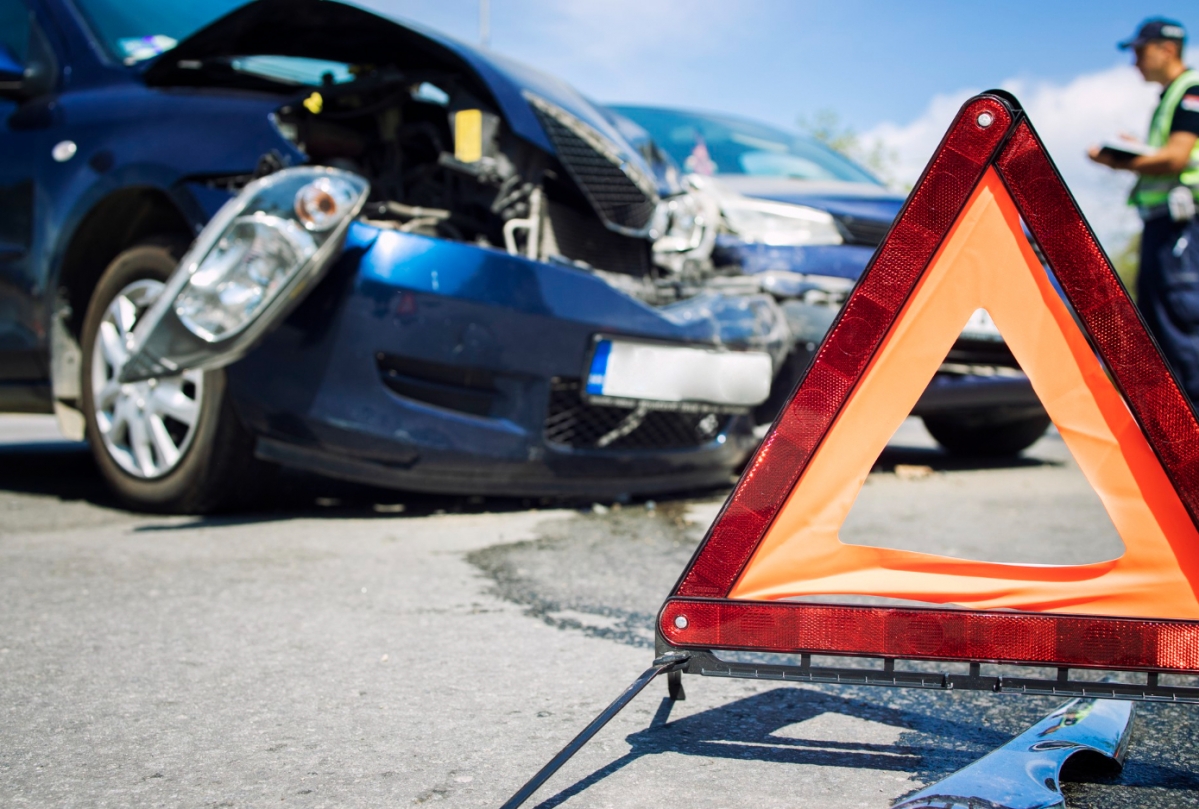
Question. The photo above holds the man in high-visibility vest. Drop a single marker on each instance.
(1165, 195)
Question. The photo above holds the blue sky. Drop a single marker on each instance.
(894, 72)
(777, 59)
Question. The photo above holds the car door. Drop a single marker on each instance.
(24, 133)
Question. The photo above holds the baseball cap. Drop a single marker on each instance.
(1156, 28)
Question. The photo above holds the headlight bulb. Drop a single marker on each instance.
(323, 203)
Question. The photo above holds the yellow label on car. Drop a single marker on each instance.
(314, 103)
(468, 135)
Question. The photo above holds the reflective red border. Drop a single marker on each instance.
(1112, 322)
(934, 634)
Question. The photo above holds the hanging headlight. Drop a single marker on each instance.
(779, 223)
(246, 269)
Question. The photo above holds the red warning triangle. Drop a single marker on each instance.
(956, 247)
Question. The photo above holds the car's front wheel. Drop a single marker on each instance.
(991, 432)
(171, 443)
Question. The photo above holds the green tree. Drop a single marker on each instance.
(827, 127)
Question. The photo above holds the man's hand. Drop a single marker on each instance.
(1108, 159)
(1170, 159)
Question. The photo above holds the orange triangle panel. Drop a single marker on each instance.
(958, 246)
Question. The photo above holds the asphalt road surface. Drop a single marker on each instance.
(356, 648)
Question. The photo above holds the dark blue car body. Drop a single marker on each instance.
(418, 362)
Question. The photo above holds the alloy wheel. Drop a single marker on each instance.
(146, 426)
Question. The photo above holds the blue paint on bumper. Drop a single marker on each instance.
(316, 390)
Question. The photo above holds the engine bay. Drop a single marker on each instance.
(443, 163)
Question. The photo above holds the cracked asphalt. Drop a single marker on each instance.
(354, 647)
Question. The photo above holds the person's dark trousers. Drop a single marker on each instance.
(1168, 294)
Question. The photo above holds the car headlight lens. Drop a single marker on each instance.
(245, 269)
(264, 244)
(249, 266)
(778, 223)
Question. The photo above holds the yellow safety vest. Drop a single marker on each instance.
(1151, 191)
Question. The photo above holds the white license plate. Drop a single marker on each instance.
(980, 326)
(649, 372)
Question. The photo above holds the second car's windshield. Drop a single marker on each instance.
(134, 30)
(714, 144)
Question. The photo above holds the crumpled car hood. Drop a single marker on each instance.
(322, 29)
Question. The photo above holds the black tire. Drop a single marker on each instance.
(991, 433)
(216, 468)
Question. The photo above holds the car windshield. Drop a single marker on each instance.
(134, 30)
(716, 144)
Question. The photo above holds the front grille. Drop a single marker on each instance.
(574, 423)
(582, 238)
(865, 232)
(625, 202)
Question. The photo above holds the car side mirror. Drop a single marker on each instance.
(37, 76)
(12, 74)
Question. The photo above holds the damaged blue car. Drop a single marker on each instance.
(295, 233)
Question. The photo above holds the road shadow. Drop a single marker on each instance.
(300, 495)
(67, 472)
(60, 469)
(750, 729)
(941, 461)
(929, 745)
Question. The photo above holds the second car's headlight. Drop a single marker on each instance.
(779, 223)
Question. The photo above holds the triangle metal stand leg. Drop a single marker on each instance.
(667, 664)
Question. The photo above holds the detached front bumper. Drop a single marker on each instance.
(438, 366)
